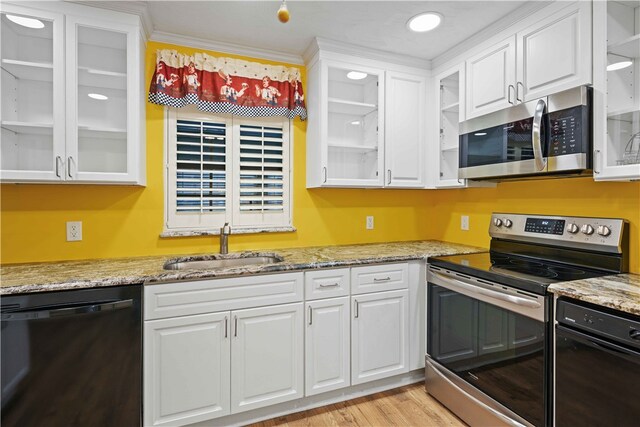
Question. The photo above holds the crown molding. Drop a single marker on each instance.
(232, 48)
(323, 44)
(492, 30)
(138, 8)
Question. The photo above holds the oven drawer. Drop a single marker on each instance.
(376, 278)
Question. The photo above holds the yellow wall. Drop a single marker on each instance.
(573, 197)
(126, 221)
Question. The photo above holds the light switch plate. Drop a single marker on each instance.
(369, 223)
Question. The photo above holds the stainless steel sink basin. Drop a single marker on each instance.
(223, 261)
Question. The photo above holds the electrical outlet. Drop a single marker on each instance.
(74, 231)
(464, 222)
(369, 223)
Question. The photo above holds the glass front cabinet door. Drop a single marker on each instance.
(32, 114)
(102, 95)
(346, 126)
(617, 90)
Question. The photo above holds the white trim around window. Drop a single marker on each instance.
(221, 168)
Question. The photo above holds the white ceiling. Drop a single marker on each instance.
(372, 24)
(377, 25)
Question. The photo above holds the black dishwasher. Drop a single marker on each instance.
(597, 366)
(72, 358)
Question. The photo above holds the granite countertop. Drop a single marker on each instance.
(620, 291)
(55, 276)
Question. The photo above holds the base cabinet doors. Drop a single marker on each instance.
(327, 345)
(206, 366)
(267, 356)
(187, 376)
(380, 335)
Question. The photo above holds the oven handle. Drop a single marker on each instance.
(503, 417)
(487, 292)
(536, 136)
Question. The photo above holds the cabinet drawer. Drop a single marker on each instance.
(207, 296)
(375, 278)
(326, 283)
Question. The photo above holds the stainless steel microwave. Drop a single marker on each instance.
(547, 136)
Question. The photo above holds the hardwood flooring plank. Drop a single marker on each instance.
(405, 406)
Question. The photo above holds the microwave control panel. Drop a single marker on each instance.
(566, 134)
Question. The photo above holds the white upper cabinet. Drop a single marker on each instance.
(551, 55)
(346, 126)
(405, 130)
(616, 126)
(554, 54)
(74, 110)
(367, 123)
(491, 79)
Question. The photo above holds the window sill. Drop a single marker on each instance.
(245, 230)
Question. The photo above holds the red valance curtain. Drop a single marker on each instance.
(227, 85)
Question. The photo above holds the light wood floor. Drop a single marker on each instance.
(405, 406)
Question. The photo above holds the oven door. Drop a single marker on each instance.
(504, 143)
(486, 344)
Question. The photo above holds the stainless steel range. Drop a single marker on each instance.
(489, 314)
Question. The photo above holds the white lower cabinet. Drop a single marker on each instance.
(187, 376)
(267, 356)
(379, 335)
(327, 345)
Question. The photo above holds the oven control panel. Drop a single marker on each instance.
(601, 234)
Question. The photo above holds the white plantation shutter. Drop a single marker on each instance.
(261, 171)
(223, 169)
(198, 171)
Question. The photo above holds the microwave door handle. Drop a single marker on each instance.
(536, 136)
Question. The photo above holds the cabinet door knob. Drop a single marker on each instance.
(355, 308)
(324, 174)
(226, 327)
(235, 326)
(310, 315)
(389, 179)
(58, 161)
(69, 160)
(509, 89)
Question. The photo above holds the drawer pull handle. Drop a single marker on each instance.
(386, 279)
(329, 285)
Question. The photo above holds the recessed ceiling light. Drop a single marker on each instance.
(356, 75)
(480, 134)
(98, 96)
(355, 122)
(26, 22)
(619, 65)
(424, 22)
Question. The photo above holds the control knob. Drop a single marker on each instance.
(507, 222)
(603, 230)
(497, 222)
(573, 228)
(587, 229)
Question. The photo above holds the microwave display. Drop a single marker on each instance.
(565, 132)
(544, 225)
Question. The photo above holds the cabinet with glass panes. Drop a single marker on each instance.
(72, 96)
(617, 94)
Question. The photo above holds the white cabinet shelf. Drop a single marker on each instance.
(353, 147)
(454, 107)
(629, 47)
(28, 127)
(351, 108)
(29, 70)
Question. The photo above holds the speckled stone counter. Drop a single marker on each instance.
(620, 292)
(54, 276)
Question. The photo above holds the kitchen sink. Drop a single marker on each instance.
(223, 261)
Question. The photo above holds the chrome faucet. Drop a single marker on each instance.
(225, 230)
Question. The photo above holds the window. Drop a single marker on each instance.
(223, 168)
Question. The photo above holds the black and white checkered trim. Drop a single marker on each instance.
(226, 107)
